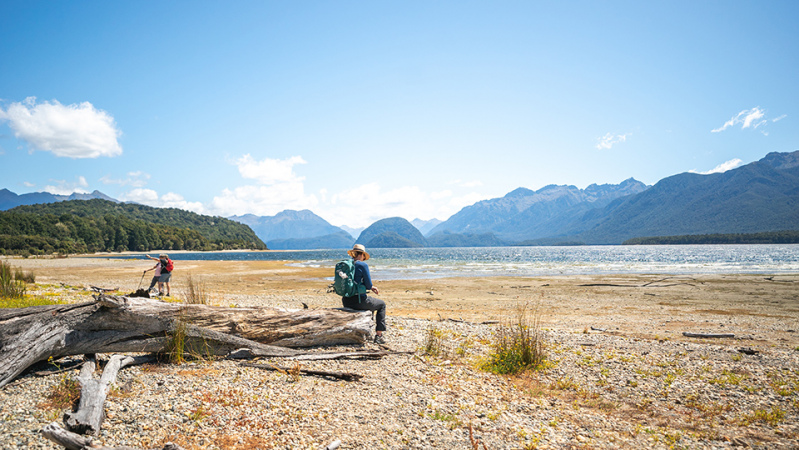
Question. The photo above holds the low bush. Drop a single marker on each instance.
(518, 344)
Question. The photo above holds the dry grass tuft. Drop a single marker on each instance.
(518, 343)
(195, 292)
(10, 288)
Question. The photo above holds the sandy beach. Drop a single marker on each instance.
(623, 374)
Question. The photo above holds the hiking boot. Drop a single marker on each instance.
(379, 339)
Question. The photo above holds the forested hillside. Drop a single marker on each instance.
(98, 225)
(775, 237)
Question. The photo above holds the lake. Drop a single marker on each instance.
(416, 263)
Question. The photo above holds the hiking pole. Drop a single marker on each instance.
(142, 279)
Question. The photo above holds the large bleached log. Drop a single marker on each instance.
(113, 324)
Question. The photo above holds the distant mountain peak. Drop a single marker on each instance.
(9, 199)
(519, 192)
(781, 161)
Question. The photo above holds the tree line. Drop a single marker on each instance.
(770, 237)
(88, 226)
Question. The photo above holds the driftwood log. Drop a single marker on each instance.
(72, 441)
(115, 324)
(709, 335)
(89, 416)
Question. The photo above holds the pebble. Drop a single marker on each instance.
(618, 392)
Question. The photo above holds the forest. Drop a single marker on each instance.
(770, 237)
(88, 226)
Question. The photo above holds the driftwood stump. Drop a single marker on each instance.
(113, 324)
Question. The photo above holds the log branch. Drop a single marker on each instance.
(72, 441)
(346, 376)
(709, 335)
(90, 414)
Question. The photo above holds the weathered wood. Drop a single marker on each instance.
(346, 376)
(708, 335)
(333, 445)
(72, 441)
(89, 416)
(114, 324)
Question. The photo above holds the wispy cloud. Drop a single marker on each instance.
(779, 118)
(150, 197)
(135, 179)
(466, 184)
(723, 167)
(607, 141)
(347, 207)
(64, 187)
(748, 118)
(72, 131)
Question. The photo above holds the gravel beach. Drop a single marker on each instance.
(620, 373)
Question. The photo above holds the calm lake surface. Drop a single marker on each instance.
(418, 263)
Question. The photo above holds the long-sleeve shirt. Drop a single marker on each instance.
(362, 276)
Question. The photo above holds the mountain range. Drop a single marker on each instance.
(525, 214)
(10, 200)
(762, 196)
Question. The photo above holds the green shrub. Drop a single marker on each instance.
(518, 344)
(9, 287)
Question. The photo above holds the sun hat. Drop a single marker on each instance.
(358, 248)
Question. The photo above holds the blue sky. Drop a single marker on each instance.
(366, 110)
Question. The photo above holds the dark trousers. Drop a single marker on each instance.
(152, 283)
(368, 304)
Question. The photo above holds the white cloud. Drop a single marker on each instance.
(723, 167)
(278, 189)
(63, 187)
(363, 205)
(779, 118)
(150, 197)
(135, 179)
(269, 171)
(607, 141)
(73, 131)
(28, 184)
(262, 200)
(748, 118)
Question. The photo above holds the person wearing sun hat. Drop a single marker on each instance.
(363, 301)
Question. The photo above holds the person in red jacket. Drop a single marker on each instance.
(166, 273)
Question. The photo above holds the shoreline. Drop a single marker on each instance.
(632, 304)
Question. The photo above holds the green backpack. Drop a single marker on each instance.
(344, 280)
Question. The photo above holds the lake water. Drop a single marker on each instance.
(419, 263)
